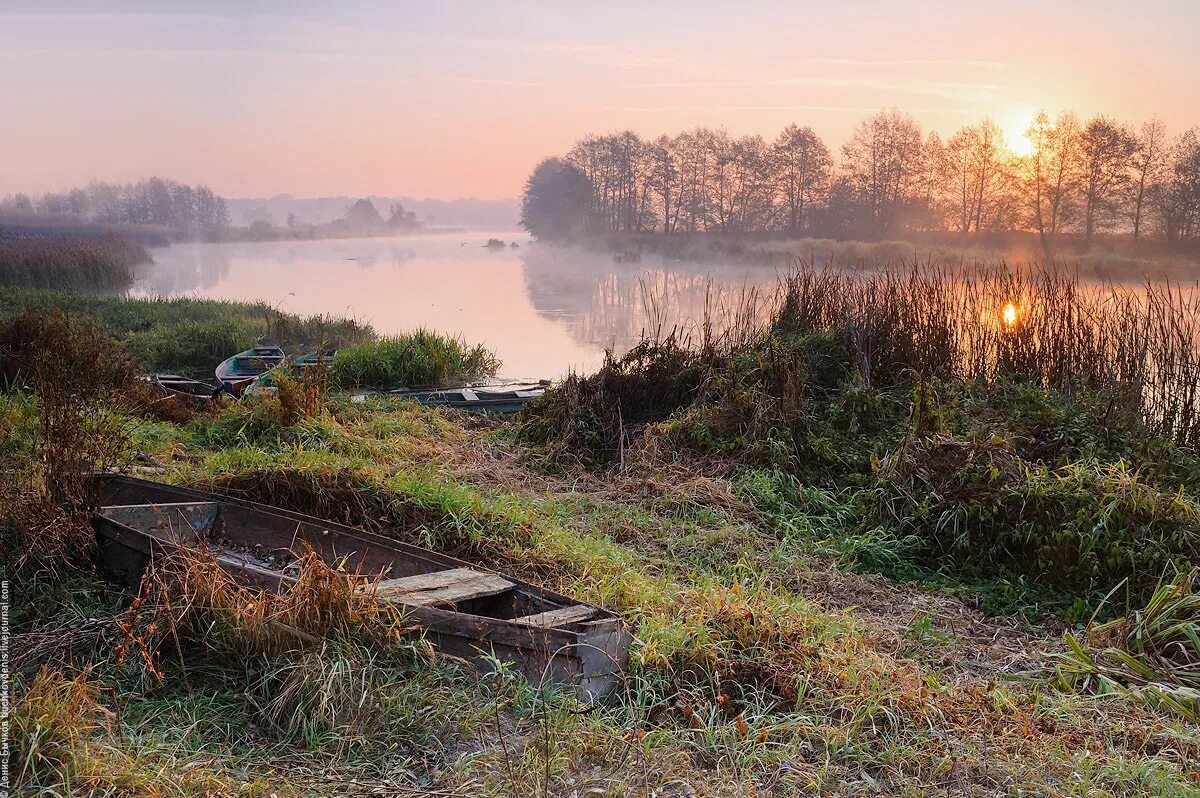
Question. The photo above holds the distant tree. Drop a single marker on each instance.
(883, 161)
(664, 179)
(401, 219)
(557, 200)
(1148, 164)
(291, 220)
(974, 165)
(1178, 198)
(211, 212)
(1106, 149)
(801, 166)
(183, 207)
(363, 215)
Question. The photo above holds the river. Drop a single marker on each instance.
(542, 309)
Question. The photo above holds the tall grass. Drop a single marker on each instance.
(1139, 346)
(419, 359)
(70, 262)
(190, 335)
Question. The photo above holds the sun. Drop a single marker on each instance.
(1014, 124)
(1008, 315)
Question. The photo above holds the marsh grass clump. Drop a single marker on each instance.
(416, 360)
(1077, 528)
(1151, 653)
(589, 416)
(74, 262)
(53, 722)
(82, 391)
(189, 604)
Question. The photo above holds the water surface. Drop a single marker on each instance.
(542, 309)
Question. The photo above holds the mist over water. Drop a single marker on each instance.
(542, 309)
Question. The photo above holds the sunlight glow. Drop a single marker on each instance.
(1014, 125)
(1009, 315)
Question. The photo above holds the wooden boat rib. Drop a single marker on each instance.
(183, 388)
(237, 372)
(465, 610)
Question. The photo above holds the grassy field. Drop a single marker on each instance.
(850, 572)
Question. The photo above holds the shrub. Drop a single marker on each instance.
(1081, 527)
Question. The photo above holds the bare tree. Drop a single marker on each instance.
(882, 161)
(975, 163)
(1148, 162)
(801, 170)
(1106, 148)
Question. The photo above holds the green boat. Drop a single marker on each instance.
(265, 382)
(238, 372)
(500, 398)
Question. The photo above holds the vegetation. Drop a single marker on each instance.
(1151, 653)
(725, 494)
(69, 262)
(981, 426)
(891, 180)
(155, 201)
(190, 335)
(420, 359)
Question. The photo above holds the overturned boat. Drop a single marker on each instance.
(237, 373)
(465, 610)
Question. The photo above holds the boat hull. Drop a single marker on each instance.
(589, 655)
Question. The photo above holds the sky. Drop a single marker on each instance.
(462, 99)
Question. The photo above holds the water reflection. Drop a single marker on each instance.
(544, 310)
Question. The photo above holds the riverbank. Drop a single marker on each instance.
(780, 525)
(1109, 257)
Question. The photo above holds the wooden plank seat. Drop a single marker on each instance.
(560, 617)
(440, 587)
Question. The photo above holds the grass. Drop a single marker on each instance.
(736, 505)
(1151, 653)
(60, 262)
(189, 335)
(419, 359)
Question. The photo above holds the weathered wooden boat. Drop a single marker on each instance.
(239, 371)
(502, 398)
(465, 610)
(183, 388)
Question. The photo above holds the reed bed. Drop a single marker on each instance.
(1040, 326)
(1140, 346)
(70, 262)
(423, 358)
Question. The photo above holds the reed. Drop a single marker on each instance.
(69, 261)
(930, 321)
(419, 359)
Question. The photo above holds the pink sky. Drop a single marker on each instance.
(462, 99)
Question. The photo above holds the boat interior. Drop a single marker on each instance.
(263, 548)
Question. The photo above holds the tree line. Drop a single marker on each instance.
(154, 201)
(889, 177)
